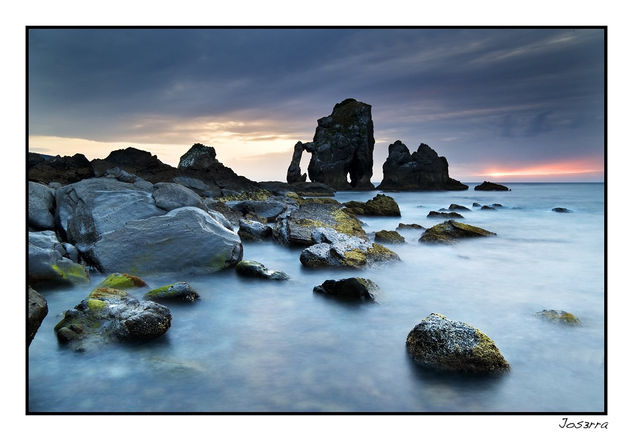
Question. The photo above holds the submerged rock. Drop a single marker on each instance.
(476, 204)
(447, 345)
(561, 210)
(491, 186)
(176, 292)
(386, 236)
(110, 314)
(487, 207)
(354, 289)
(449, 231)
(250, 268)
(402, 226)
(560, 317)
(122, 281)
(41, 207)
(38, 309)
(380, 205)
(448, 215)
(422, 170)
(456, 207)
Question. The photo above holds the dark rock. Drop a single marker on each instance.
(487, 207)
(316, 189)
(354, 289)
(380, 205)
(422, 170)
(37, 311)
(176, 292)
(560, 317)
(343, 146)
(294, 170)
(253, 231)
(198, 157)
(129, 178)
(449, 231)
(136, 162)
(456, 207)
(449, 215)
(386, 236)
(491, 186)
(402, 226)
(476, 204)
(497, 205)
(561, 210)
(447, 345)
(41, 206)
(65, 170)
(250, 268)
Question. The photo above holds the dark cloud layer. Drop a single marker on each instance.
(477, 95)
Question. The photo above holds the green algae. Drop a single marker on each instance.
(71, 272)
(122, 281)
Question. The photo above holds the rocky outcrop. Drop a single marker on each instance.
(176, 292)
(491, 186)
(380, 205)
(250, 268)
(41, 206)
(36, 313)
(559, 317)
(386, 236)
(422, 170)
(50, 261)
(186, 239)
(445, 215)
(354, 289)
(294, 170)
(109, 315)
(450, 231)
(343, 145)
(62, 169)
(447, 345)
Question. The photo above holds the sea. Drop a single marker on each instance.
(268, 346)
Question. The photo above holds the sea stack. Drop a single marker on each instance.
(342, 148)
(420, 170)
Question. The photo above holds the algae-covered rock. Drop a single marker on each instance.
(560, 317)
(450, 231)
(250, 268)
(443, 344)
(491, 186)
(38, 309)
(386, 236)
(355, 289)
(380, 205)
(176, 292)
(109, 315)
(48, 262)
(122, 281)
(445, 215)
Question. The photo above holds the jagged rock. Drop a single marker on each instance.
(448, 215)
(386, 236)
(253, 231)
(449, 231)
(560, 317)
(380, 205)
(422, 170)
(176, 292)
(561, 210)
(343, 145)
(316, 189)
(491, 186)
(456, 207)
(123, 176)
(169, 196)
(41, 206)
(48, 262)
(250, 268)
(136, 162)
(64, 170)
(354, 289)
(185, 239)
(109, 315)
(447, 345)
(198, 157)
(38, 309)
(294, 169)
(402, 226)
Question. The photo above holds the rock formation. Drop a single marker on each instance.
(421, 170)
(62, 169)
(343, 145)
(491, 186)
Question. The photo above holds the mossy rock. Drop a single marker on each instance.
(380, 205)
(450, 231)
(389, 237)
(560, 317)
(260, 195)
(176, 292)
(122, 281)
(107, 293)
(250, 268)
(71, 272)
(402, 226)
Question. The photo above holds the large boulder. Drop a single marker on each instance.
(169, 196)
(294, 169)
(380, 205)
(64, 170)
(422, 170)
(185, 239)
(450, 231)
(49, 261)
(89, 208)
(491, 186)
(110, 315)
(343, 145)
(38, 309)
(446, 345)
(353, 289)
(41, 206)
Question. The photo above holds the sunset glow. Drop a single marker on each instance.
(574, 167)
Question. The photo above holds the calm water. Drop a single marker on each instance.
(252, 345)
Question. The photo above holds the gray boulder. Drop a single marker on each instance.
(38, 309)
(250, 268)
(169, 196)
(49, 262)
(253, 231)
(447, 345)
(267, 210)
(185, 239)
(41, 206)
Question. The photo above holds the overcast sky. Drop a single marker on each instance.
(502, 104)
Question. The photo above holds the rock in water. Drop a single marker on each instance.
(48, 262)
(343, 146)
(122, 281)
(402, 226)
(253, 231)
(37, 311)
(452, 346)
(457, 207)
(380, 205)
(561, 210)
(354, 289)
(447, 215)
(449, 231)
(294, 169)
(561, 317)
(176, 292)
(422, 170)
(185, 239)
(250, 268)
(491, 186)
(386, 236)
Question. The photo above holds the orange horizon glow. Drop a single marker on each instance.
(574, 167)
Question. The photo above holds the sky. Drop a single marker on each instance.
(509, 105)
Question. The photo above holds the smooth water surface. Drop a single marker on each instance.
(268, 346)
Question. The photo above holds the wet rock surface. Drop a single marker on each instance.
(386, 236)
(380, 205)
(176, 292)
(354, 289)
(450, 231)
(250, 268)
